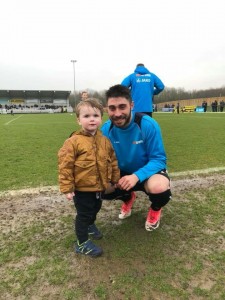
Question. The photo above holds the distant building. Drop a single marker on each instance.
(31, 98)
(20, 101)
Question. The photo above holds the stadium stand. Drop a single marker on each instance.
(32, 101)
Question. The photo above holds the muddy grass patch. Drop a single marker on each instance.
(183, 259)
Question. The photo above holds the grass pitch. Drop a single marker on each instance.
(183, 259)
(29, 145)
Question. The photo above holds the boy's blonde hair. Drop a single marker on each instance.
(90, 102)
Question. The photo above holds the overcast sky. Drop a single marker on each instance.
(182, 42)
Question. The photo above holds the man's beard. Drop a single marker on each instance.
(123, 117)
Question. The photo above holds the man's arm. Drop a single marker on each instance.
(66, 158)
(158, 85)
(154, 149)
(127, 81)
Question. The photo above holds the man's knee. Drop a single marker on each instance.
(157, 184)
(159, 200)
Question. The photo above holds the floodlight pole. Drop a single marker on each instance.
(74, 61)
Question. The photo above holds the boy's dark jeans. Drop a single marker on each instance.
(87, 205)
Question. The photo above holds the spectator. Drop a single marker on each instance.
(144, 86)
(84, 95)
(204, 105)
(222, 103)
(214, 106)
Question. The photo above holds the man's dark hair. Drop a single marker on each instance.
(140, 65)
(118, 90)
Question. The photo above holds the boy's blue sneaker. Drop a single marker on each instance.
(88, 248)
(94, 232)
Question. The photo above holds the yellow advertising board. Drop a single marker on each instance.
(17, 101)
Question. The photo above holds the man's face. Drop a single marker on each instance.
(119, 111)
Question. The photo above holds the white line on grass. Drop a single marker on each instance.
(56, 187)
(196, 172)
(13, 120)
(49, 123)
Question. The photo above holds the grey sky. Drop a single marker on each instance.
(180, 41)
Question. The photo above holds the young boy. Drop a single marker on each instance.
(87, 165)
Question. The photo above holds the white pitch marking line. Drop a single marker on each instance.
(196, 172)
(56, 188)
(13, 120)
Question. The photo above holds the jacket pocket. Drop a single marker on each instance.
(85, 173)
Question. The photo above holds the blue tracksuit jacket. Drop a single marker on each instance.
(144, 85)
(138, 150)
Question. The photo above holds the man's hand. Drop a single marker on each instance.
(127, 182)
(69, 196)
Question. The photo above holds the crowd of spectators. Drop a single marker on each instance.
(13, 108)
(19, 106)
(167, 105)
(217, 106)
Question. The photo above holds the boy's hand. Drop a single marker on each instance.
(69, 196)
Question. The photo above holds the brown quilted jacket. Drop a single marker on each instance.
(87, 163)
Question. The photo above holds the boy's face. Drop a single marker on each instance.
(90, 118)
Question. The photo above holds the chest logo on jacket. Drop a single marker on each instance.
(137, 142)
